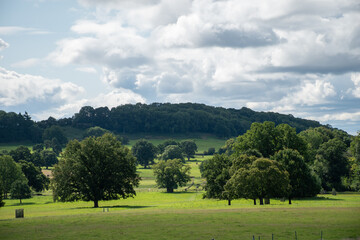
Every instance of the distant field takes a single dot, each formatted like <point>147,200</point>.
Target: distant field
<point>12,146</point>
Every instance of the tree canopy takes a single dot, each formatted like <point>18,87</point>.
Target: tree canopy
<point>145,152</point>
<point>171,174</point>
<point>95,169</point>
<point>189,148</point>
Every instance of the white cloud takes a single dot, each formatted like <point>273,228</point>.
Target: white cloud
<point>27,63</point>
<point>21,88</point>
<point>87,69</point>
<point>355,78</point>
<point>11,30</point>
<point>3,44</point>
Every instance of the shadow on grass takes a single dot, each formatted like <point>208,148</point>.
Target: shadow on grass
<point>116,206</point>
<point>182,192</point>
<point>322,198</point>
<point>22,204</point>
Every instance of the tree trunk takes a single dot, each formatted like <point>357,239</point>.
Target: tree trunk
<point>289,200</point>
<point>267,200</point>
<point>169,190</point>
<point>261,201</point>
<point>254,201</point>
<point>229,202</point>
<point>20,201</point>
<point>96,203</point>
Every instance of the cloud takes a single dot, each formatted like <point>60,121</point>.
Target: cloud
<point>355,78</point>
<point>111,99</point>
<point>3,44</point>
<point>23,88</point>
<point>12,30</point>
<point>27,63</point>
<point>87,69</point>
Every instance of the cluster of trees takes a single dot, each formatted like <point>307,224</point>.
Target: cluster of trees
<point>145,152</point>
<point>274,161</point>
<point>18,178</point>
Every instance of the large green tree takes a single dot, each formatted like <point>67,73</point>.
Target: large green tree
<point>9,173</point>
<point>55,132</point>
<point>268,139</point>
<point>36,179</point>
<point>303,183</point>
<point>261,179</point>
<point>172,152</point>
<point>95,169</point>
<point>331,163</point>
<point>171,174</point>
<point>145,152</point>
<point>20,189</point>
<point>189,148</point>
<point>216,173</point>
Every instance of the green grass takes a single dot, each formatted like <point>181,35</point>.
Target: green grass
<point>13,146</point>
<point>159,215</point>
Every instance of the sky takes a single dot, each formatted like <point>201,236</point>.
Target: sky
<point>287,56</point>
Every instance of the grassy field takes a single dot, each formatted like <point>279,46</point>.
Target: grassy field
<point>155,214</point>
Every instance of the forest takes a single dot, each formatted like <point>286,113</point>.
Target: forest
<point>161,118</point>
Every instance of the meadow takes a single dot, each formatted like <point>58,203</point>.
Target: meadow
<point>184,214</point>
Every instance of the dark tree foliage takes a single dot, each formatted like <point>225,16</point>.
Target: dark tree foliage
<point>216,172</point>
<point>2,203</point>
<point>189,148</point>
<point>95,132</point>
<point>36,179</point>
<point>145,152</point>
<point>21,153</point>
<point>95,169</point>
<point>161,147</point>
<point>331,164</point>
<point>18,127</point>
<point>55,132</point>
<point>303,183</point>
<point>48,158</point>
<point>180,118</point>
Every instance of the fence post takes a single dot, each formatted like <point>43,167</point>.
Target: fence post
<point>272,236</point>
<point>295,236</point>
<point>321,235</point>
<point>19,213</point>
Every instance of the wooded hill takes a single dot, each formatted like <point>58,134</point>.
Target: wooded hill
<point>162,118</point>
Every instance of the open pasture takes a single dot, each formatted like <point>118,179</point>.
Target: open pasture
<point>183,215</point>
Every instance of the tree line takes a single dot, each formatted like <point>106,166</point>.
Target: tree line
<point>162,118</point>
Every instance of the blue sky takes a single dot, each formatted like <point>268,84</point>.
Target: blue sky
<point>287,56</point>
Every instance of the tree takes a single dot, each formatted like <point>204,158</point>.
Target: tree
<point>48,157</point>
<point>95,169</point>
<point>95,132</point>
<point>268,139</point>
<point>216,173</point>
<point>331,163</point>
<point>353,181</point>
<point>21,153</point>
<point>172,152</point>
<point>38,147</point>
<point>36,179</point>
<point>171,174</point>
<point>20,189</point>
<point>9,173</point>
<point>2,203</point>
<point>167,142</point>
<point>189,148</point>
<point>263,178</point>
<point>145,152</point>
<point>55,132</point>
<point>303,183</point>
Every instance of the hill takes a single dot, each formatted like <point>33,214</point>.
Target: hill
<point>161,118</point>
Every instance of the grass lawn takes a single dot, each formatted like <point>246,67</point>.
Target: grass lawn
<point>159,215</point>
